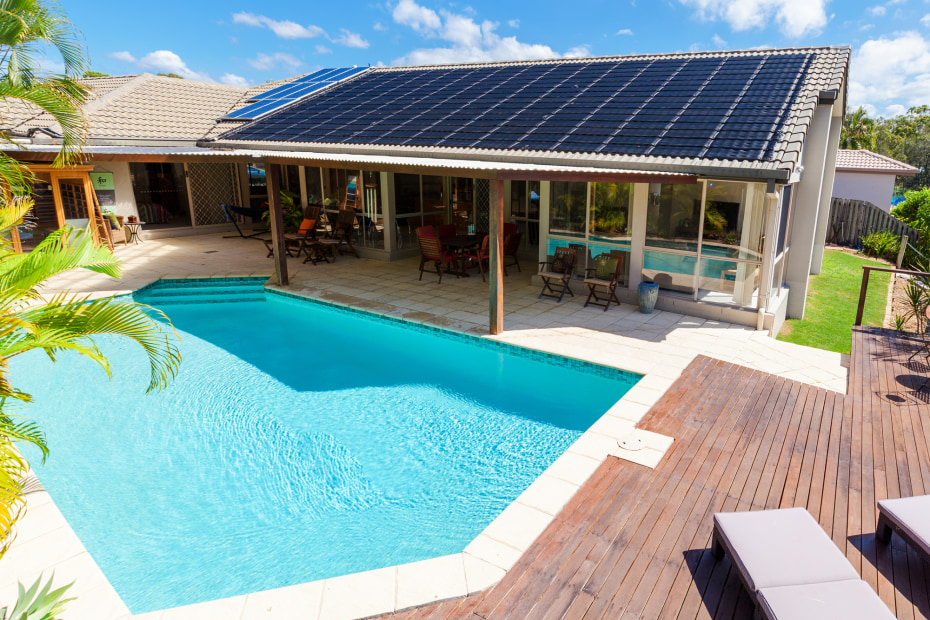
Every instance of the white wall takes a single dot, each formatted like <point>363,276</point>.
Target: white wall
<point>875,188</point>
<point>125,198</point>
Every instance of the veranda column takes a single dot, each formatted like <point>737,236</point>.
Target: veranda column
<point>637,219</point>
<point>826,192</point>
<point>276,218</point>
<point>495,266</point>
<point>806,206</point>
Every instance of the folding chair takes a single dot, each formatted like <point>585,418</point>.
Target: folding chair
<point>557,274</point>
<point>602,279</point>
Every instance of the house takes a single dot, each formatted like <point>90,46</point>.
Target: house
<point>710,170</point>
<point>139,127</point>
<point>868,176</point>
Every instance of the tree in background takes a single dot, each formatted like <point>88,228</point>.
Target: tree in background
<point>93,74</point>
<point>858,131</point>
<point>906,137</point>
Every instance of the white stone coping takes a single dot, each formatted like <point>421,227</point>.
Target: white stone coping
<point>482,564</point>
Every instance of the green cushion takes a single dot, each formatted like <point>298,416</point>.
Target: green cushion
<point>605,267</point>
<point>114,223</point>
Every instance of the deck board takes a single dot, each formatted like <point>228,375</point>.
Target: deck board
<point>634,542</point>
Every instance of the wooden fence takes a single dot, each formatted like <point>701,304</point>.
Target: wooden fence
<point>850,220</point>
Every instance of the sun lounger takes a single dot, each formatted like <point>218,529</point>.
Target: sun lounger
<point>792,568</point>
<point>909,517</point>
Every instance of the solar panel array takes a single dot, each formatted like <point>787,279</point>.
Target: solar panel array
<point>727,107</point>
<point>281,96</point>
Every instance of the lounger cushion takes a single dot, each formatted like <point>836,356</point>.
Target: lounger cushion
<point>851,599</point>
<point>786,547</point>
<point>552,274</point>
<point>911,514</point>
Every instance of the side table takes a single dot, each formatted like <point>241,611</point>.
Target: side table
<point>135,230</point>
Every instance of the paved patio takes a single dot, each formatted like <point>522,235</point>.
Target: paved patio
<point>659,346</point>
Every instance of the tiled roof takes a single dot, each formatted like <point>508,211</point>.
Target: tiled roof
<point>867,161</point>
<point>143,106</point>
<point>750,108</point>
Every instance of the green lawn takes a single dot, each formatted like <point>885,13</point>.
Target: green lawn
<point>831,303</point>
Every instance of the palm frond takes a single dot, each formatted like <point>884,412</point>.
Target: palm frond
<point>62,98</point>
<point>18,428</point>
<point>70,324</point>
<point>12,500</point>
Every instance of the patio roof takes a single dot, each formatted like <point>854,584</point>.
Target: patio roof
<point>408,164</point>
<point>744,111</point>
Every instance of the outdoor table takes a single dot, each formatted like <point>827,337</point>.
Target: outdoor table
<point>460,243</point>
<point>135,230</point>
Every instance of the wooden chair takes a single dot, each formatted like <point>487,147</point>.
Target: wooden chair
<point>602,279</point>
<point>510,228</point>
<point>426,231</point>
<point>342,233</point>
<point>446,231</point>
<point>431,252</point>
<point>557,274</point>
<point>511,247</point>
<point>481,255</point>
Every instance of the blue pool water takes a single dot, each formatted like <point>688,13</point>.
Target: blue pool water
<point>299,442</point>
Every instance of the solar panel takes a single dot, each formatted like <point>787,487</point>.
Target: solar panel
<point>719,107</point>
<point>286,94</point>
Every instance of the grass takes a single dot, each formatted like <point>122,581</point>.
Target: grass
<point>832,299</point>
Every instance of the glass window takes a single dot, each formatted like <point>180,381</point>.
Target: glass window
<point>161,193</point>
<point>314,187</point>
<point>673,216</point>
<point>371,219</point>
<point>407,193</point>
<point>258,186</point>
<point>734,220</point>
<point>724,281</point>
<point>783,219</point>
<point>672,272</point>
<point>610,210</point>
<point>518,199</point>
<point>567,213</point>
<point>463,202</point>
<point>335,188</point>
<point>434,194</point>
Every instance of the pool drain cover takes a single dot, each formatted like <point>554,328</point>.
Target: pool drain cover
<point>631,443</point>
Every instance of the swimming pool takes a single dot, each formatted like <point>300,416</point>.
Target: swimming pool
<point>299,442</point>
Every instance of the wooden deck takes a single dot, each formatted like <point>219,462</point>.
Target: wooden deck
<point>634,542</point>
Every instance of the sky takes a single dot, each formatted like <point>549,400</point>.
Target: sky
<point>246,43</point>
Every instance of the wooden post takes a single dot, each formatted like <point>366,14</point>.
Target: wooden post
<point>276,218</point>
<point>496,264</point>
<point>862,291</point>
<point>56,197</point>
<point>91,210</point>
<point>902,250</point>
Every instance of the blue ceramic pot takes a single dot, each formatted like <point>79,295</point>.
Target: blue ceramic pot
<point>648,294</point>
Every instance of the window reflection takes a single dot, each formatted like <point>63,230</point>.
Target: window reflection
<point>610,210</point>
<point>567,213</point>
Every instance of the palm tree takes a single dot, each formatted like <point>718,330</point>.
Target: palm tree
<point>858,130</point>
<point>64,322</point>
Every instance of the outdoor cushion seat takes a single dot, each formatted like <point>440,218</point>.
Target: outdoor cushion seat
<point>909,517</point>
<point>851,599</point>
<point>773,548</point>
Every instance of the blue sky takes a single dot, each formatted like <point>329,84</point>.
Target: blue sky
<point>249,43</point>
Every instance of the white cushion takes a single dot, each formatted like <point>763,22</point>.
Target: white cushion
<point>911,514</point>
<point>786,547</point>
<point>852,599</point>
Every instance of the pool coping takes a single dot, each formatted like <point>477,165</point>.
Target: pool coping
<point>491,554</point>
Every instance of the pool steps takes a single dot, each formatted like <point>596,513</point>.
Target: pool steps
<point>167,292</point>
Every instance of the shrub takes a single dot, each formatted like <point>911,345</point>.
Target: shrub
<point>883,244</point>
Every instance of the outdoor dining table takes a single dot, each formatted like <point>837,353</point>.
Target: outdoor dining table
<point>461,243</point>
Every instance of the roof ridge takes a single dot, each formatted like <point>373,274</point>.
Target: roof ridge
<point>116,93</point>
<point>779,51</point>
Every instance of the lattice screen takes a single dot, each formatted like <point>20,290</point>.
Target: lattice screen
<point>212,185</point>
<point>482,204</point>
<point>73,200</point>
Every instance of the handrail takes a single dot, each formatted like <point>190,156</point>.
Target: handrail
<point>866,270</point>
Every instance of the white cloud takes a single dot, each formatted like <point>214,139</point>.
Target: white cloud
<point>322,49</point>
<point>468,40</point>
<point>350,39</point>
<point>884,70</point>
<point>124,56</point>
<point>877,11</point>
<point>894,109</point>
<point>283,29</point>
<point>514,23</point>
<point>166,61</point>
<point>625,31</point>
<point>795,18</point>
<point>925,20</point>
<point>420,18</point>
<point>579,51</point>
<point>233,80</point>
<point>379,27</point>
<point>718,41</point>
<point>264,62</point>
